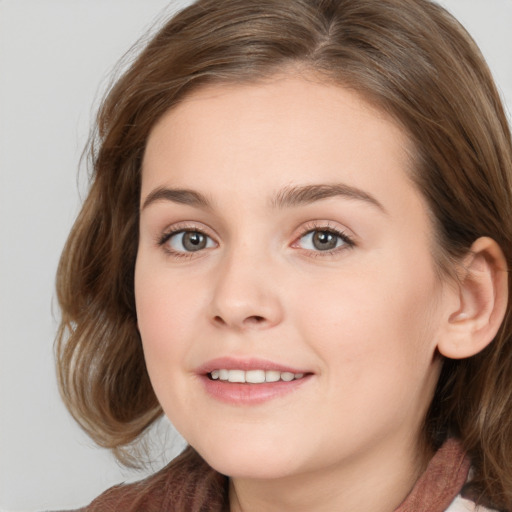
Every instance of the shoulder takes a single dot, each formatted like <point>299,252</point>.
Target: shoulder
<point>147,495</point>
<point>463,505</point>
<point>187,483</point>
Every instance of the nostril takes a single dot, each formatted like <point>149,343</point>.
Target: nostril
<point>255,319</point>
<point>248,321</point>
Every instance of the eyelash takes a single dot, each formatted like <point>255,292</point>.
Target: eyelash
<point>166,236</point>
<point>348,242</point>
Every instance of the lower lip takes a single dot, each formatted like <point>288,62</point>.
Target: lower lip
<point>250,394</point>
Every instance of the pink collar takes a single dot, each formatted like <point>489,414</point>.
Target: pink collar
<point>188,483</point>
<point>443,479</point>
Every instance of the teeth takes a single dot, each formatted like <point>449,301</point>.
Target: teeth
<point>254,376</point>
<point>272,376</point>
<point>236,376</point>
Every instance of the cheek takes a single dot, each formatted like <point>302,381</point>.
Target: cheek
<point>386,314</point>
<point>164,314</point>
<point>163,311</point>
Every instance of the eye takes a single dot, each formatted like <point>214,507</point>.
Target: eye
<point>188,241</point>
<point>323,240</point>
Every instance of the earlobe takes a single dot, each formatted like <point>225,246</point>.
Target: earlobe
<point>481,301</point>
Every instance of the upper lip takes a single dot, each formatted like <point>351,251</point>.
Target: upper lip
<point>231,363</point>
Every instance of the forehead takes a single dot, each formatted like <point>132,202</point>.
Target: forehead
<point>278,133</point>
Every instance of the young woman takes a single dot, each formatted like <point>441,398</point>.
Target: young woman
<point>296,246</point>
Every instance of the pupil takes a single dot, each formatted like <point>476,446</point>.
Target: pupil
<point>194,241</point>
<point>324,240</point>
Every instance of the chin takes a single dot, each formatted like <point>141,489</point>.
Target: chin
<point>249,461</point>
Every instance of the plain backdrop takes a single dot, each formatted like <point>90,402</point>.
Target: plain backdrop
<point>56,58</point>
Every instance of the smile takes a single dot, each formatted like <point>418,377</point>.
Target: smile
<point>253,376</point>
<point>250,381</point>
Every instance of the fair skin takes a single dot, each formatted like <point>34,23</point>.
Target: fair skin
<point>336,284</point>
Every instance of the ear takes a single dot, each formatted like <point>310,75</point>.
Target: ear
<point>478,302</point>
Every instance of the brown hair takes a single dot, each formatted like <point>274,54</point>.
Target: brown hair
<point>408,57</point>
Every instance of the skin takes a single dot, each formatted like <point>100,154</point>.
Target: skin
<point>364,320</point>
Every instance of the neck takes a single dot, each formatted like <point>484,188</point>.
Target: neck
<point>379,483</point>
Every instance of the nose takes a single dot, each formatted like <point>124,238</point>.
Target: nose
<point>246,294</point>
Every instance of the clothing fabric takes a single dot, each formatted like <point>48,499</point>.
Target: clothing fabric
<point>462,505</point>
<point>188,484</point>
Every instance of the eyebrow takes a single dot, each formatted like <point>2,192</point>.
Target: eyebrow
<point>291,196</point>
<point>299,195</point>
<point>177,195</point>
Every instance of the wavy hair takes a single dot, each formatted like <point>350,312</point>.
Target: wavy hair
<point>411,59</point>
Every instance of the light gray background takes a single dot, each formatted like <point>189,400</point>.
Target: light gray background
<point>56,58</point>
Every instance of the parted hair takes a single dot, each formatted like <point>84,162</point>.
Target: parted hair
<point>409,58</point>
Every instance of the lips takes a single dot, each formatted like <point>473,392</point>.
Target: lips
<point>258,376</point>
<point>249,381</point>
<point>247,365</point>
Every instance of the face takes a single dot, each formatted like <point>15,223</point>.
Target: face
<point>283,244</point>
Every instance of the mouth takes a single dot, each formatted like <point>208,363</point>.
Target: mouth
<point>253,376</point>
<point>250,382</point>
